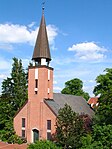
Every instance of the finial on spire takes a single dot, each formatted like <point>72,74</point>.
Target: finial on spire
<point>43,4</point>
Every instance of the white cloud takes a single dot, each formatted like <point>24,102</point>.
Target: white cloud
<point>3,76</point>
<point>57,88</point>
<point>89,89</point>
<point>52,33</point>
<point>11,33</point>
<point>31,24</point>
<point>8,47</point>
<point>54,82</point>
<point>15,33</point>
<point>91,81</point>
<point>25,63</point>
<point>88,51</point>
<point>4,64</point>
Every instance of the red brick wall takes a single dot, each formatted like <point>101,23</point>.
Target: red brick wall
<point>36,111</point>
<point>18,120</point>
<point>43,83</point>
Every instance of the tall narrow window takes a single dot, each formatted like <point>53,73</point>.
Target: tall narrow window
<point>23,122</point>
<point>48,75</point>
<point>49,136</point>
<point>36,86</point>
<point>36,73</point>
<point>36,83</point>
<point>48,90</point>
<point>48,124</point>
<point>23,133</point>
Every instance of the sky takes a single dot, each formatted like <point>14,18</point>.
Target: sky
<point>79,33</point>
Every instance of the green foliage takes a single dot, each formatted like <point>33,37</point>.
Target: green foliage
<point>14,95</point>
<point>103,134</point>
<point>69,127</point>
<point>104,83</point>
<point>104,90</point>
<point>74,87</point>
<point>88,143</point>
<point>43,145</point>
<point>14,89</point>
<point>101,138</point>
<point>8,134</point>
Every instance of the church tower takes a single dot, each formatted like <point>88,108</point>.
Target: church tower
<point>35,120</point>
<point>40,79</point>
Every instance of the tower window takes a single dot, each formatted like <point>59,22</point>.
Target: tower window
<point>35,92</point>
<point>36,86</point>
<point>48,124</point>
<point>23,122</point>
<point>36,73</point>
<point>36,83</point>
<point>48,90</point>
<point>48,75</point>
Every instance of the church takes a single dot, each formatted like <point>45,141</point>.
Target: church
<point>36,119</point>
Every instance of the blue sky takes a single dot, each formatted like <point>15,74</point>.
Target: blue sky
<point>79,31</point>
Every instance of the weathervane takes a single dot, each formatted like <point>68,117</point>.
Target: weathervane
<point>43,6</point>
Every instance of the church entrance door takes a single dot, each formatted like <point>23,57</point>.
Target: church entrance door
<point>35,135</point>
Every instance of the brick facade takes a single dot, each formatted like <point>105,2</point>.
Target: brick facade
<point>35,111</point>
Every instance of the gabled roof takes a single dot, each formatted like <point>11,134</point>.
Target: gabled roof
<point>93,101</point>
<point>41,49</point>
<point>77,103</point>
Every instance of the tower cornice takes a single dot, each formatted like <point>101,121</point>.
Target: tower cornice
<point>40,66</point>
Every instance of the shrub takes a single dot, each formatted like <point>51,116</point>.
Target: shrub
<point>43,145</point>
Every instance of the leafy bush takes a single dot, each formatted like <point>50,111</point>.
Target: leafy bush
<point>43,145</point>
<point>11,137</point>
<point>101,138</point>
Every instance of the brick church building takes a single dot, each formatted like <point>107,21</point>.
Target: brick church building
<point>36,119</point>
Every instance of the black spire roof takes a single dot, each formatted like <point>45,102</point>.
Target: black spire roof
<point>41,49</point>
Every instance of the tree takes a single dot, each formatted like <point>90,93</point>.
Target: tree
<point>74,87</point>
<point>15,87</point>
<point>104,90</point>
<point>101,138</point>
<point>69,128</point>
<point>14,95</point>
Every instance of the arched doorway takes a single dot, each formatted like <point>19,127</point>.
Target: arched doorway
<point>35,135</point>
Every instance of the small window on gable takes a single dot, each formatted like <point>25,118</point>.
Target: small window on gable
<point>48,124</point>
<point>23,122</point>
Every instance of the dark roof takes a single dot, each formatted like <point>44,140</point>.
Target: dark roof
<point>78,103</point>
<point>41,49</point>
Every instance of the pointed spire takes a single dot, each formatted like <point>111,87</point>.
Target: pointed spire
<point>41,49</point>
